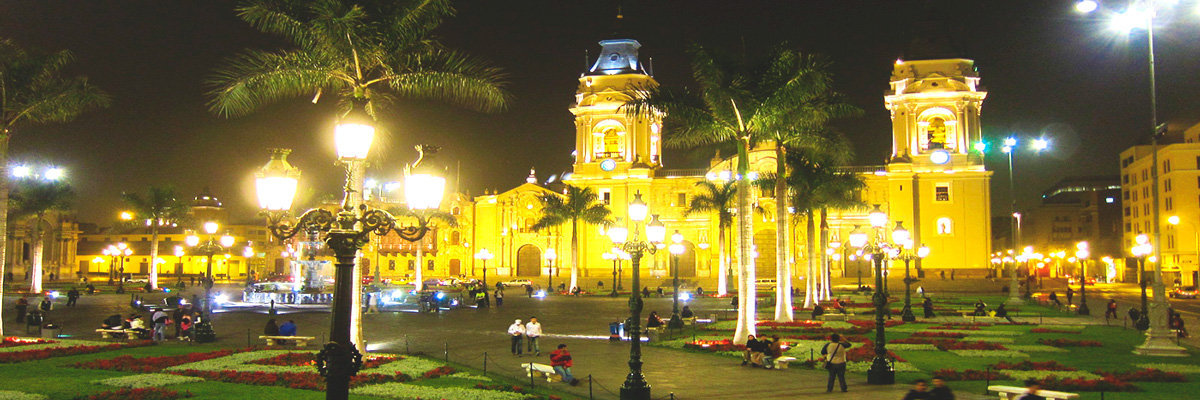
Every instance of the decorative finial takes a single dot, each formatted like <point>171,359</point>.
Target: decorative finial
<point>532,176</point>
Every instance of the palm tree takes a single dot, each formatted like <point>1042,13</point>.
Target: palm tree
<point>736,102</point>
<point>159,207</point>
<point>717,198</point>
<point>368,52</point>
<point>577,204</point>
<point>33,199</point>
<point>807,90</point>
<point>34,91</point>
<point>838,191</point>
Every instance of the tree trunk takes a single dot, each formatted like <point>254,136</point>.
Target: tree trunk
<point>722,266</point>
<point>783,269</point>
<point>35,255</point>
<point>574,255</point>
<point>418,282</point>
<point>154,254</point>
<point>4,137</point>
<point>747,313</point>
<point>810,276</point>
<point>825,293</point>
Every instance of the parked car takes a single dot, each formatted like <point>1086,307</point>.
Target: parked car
<point>764,283</point>
<point>1075,281</point>
<point>1184,292</point>
<point>517,282</point>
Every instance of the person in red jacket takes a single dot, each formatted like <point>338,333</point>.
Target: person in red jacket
<point>560,359</point>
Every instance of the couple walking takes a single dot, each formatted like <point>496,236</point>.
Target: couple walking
<point>528,333</point>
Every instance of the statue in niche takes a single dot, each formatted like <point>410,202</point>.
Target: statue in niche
<point>935,135</point>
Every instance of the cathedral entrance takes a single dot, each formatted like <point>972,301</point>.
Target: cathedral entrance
<point>764,242</point>
<point>687,261</point>
<point>529,261</point>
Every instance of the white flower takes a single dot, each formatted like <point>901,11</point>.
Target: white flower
<point>147,380</point>
<point>15,395</point>
<point>1180,368</point>
<point>990,353</point>
<point>911,347</point>
<point>58,343</point>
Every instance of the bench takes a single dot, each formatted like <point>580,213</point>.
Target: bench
<point>1012,392</point>
<point>543,369</point>
<point>689,321</point>
<point>116,333</point>
<point>834,317</point>
<point>782,362</point>
<point>300,341</point>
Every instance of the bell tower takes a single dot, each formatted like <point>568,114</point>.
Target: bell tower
<point>935,107</point>
<point>608,141</point>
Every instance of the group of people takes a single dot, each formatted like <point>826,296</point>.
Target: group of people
<point>999,312</point>
<point>183,319</point>
<point>524,339</point>
<point>286,329</point>
<point>762,353</point>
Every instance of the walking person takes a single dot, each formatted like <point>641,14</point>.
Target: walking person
<point>72,297</point>
<point>919,391</point>
<point>1070,295</point>
<point>1111,309</point>
<point>516,333</point>
<point>499,297</point>
<point>835,360</point>
<point>533,330</point>
<point>940,391</point>
<point>160,320</point>
<point>927,306</point>
<point>560,360</point>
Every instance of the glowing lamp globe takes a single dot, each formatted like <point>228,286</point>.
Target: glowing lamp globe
<point>424,191</point>
<point>1173,220</point>
<point>618,234</point>
<point>248,252</point>
<point>226,240</point>
<point>484,254</point>
<point>900,235</point>
<point>551,255</point>
<point>1086,6</point>
<point>676,249</point>
<point>923,252</point>
<point>858,239</point>
<point>178,251</point>
<point>877,217</point>
<point>211,227</point>
<point>354,134</point>
<point>192,240</point>
<point>637,208</point>
<point>656,232</point>
<point>608,256</point>
<point>276,182</point>
<point>677,237</point>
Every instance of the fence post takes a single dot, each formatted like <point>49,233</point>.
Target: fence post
<point>1101,395</point>
<point>987,376</point>
<point>406,351</point>
<point>529,369</point>
<point>590,395</point>
<point>811,354</point>
<point>485,363</point>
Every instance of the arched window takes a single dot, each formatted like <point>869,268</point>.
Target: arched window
<point>945,226</point>
<point>936,130</point>
<point>455,211</point>
<point>935,134</point>
<point>455,238</point>
<point>608,140</point>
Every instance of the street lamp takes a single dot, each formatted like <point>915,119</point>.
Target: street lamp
<point>1142,249</point>
<point>209,247</point>
<point>906,253</point>
<point>1082,253</point>
<point>121,250</point>
<point>550,256</point>
<point>858,239</point>
<point>635,386</point>
<point>346,232</point>
<point>1010,149</point>
<point>484,255</point>
<point>676,249</point>
<point>881,372</point>
<point>1141,14</point>
<point>615,258</point>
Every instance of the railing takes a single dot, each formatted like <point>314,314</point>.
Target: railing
<point>688,172</point>
<point>861,169</point>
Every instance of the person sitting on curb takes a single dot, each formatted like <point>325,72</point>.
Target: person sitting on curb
<point>561,360</point>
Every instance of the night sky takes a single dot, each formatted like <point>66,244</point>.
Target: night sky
<point>1048,71</point>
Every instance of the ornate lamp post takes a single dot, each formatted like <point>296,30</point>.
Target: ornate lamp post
<point>1082,253</point>
<point>635,386</point>
<point>615,258</point>
<point>249,253</point>
<point>484,255</point>
<point>121,250</point>
<point>345,233</point>
<point>1141,250</point>
<point>881,372</point>
<point>211,246</point>
<point>906,253</point>
<point>551,255</point>
<point>676,249</point>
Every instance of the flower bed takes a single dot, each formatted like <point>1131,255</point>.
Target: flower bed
<point>147,380</point>
<point>970,375</point>
<point>416,392</point>
<point>1180,368</point>
<point>1048,330</point>
<point>1086,385</point>
<point>61,349</point>
<point>294,380</point>
<point>793,324</point>
<point>871,324</point>
<point>990,353</point>
<point>956,345</point>
<point>15,395</point>
<point>13,341</point>
<point>439,372</point>
<point>953,335</point>
<point>1144,375</point>
<point>956,328</point>
<point>714,345</point>
<point>136,394</point>
<point>150,364</point>
<point>1070,343</point>
<point>866,352</point>
<point>1032,366</point>
<point>921,340</point>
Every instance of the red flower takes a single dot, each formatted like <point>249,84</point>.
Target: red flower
<point>1144,375</point>
<point>30,355</point>
<point>970,375</point>
<point>150,364</point>
<point>1032,366</point>
<point>1070,343</point>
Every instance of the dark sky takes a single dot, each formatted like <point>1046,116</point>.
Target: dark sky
<point>1048,72</point>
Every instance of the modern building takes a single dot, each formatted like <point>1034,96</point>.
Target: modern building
<point>1179,196</point>
<point>1077,209</point>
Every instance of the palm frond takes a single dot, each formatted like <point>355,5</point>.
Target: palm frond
<point>257,78</point>
<point>451,77</point>
<point>35,197</point>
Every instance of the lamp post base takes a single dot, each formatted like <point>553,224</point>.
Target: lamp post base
<point>676,322</point>
<point>1083,308</point>
<point>907,315</point>
<point>881,373</point>
<point>1014,300</point>
<point>1159,344</point>
<point>635,393</point>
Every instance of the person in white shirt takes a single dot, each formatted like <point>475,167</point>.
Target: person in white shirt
<point>533,330</point>
<point>516,331</point>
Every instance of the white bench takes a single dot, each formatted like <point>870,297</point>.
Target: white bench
<point>833,317</point>
<point>116,333</point>
<point>1012,392</point>
<point>543,369</point>
<point>300,341</point>
<point>782,362</point>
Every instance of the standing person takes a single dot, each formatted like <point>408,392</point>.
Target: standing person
<point>72,297</point>
<point>1111,309</point>
<point>373,303</point>
<point>1070,295</point>
<point>160,320</point>
<point>177,318</point>
<point>1031,391</point>
<point>533,330</point>
<point>919,391</point>
<point>499,297</point>
<point>940,391</point>
<point>46,305</point>
<point>561,360</point>
<point>22,307</point>
<point>528,290</point>
<point>927,306</point>
<point>516,332</point>
<point>835,361</point>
